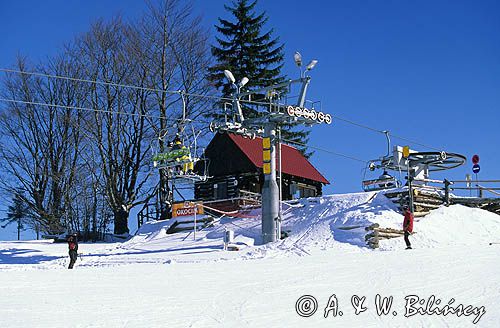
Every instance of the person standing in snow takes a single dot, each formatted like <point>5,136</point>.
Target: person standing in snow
<point>73,249</point>
<point>407,225</point>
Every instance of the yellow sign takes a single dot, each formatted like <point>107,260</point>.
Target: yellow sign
<point>406,151</point>
<point>267,168</point>
<point>266,143</point>
<point>267,156</point>
<point>187,209</point>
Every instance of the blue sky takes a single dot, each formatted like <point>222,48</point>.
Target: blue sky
<point>425,70</point>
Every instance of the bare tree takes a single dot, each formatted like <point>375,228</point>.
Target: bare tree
<point>118,126</point>
<point>40,144</point>
<point>74,166</point>
<point>175,48</point>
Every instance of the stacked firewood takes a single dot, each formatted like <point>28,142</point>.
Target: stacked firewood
<point>376,233</point>
<point>424,199</point>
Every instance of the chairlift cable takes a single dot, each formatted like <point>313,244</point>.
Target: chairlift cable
<point>135,87</point>
<point>383,132</point>
<point>357,124</point>
<point>35,103</point>
<point>326,151</point>
<point>416,142</point>
<point>201,122</point>
<point>5,70</point>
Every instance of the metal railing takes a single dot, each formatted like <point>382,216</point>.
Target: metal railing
<point>149,212</point>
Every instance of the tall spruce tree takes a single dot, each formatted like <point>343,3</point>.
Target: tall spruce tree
<point>245,50</point>
<point>17,213</point>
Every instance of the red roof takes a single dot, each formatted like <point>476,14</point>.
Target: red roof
<point>292,163</point>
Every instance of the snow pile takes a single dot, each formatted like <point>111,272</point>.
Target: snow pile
<point>327,221</point>
<point>336,221</point>
<point>456,225</point>
<point>312,224</point>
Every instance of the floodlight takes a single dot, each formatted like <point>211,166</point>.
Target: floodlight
<point>311,65</point>
<point>243,82</point>
<point>298,59</point>
<point>229,76</point>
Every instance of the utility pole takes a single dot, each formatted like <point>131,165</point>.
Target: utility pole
<point>270,193</point>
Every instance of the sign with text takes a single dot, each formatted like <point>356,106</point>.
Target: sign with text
<point>187,209</point>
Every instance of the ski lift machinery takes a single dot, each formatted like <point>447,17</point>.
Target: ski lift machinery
<point>182,154</point>
<point>385,180</point>
<point>416,165</point>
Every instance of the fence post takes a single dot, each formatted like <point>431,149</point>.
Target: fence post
<point>447,192</point>
<point>410,192</point>
<point>140,220</point>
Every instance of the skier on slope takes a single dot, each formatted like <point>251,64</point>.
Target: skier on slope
<point>73,249</point>
<point>407,225</point>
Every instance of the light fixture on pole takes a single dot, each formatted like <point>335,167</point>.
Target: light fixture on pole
<point>243,82</point>
<point>236,94</point>
<point>311,64</point>
<point>298,59</point>
<point>229,76</point>
<point>303,78</point>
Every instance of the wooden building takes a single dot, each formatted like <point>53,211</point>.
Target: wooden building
<point>235,167</point>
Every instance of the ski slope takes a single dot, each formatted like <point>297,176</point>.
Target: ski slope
<point>179,280</point>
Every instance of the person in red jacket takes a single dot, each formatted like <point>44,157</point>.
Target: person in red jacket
<point>407,225</point>
<point>73,249</point>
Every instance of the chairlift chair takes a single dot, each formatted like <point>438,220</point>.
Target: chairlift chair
<point>385,180</point>
<point>181,157</point>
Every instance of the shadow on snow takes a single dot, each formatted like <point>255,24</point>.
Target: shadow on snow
<point>21,256</point>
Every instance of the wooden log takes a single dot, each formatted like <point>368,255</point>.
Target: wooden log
<point>389,230</point>
<point>429,200</point>
<point>372,226</point>
<point>420,214</point>
<point>396,194</point>
<point>373,234</point>
<point>420,208</point>
<point>350,227</point>
<point>474,201</point>
<point>387,235</point>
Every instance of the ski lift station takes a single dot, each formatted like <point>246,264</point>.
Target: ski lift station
<point>235,168</point>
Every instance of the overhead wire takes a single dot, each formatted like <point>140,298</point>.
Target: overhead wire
<point>325,150</point>
<point>105,111</point>
<point>188,94</point>
<point>383,132</point>
<point>135,87</point>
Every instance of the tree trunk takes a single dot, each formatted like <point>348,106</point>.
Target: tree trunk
<point>121,222</point>
<point>165,196</point>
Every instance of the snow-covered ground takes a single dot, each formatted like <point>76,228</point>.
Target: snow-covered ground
<point>160,280</point>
